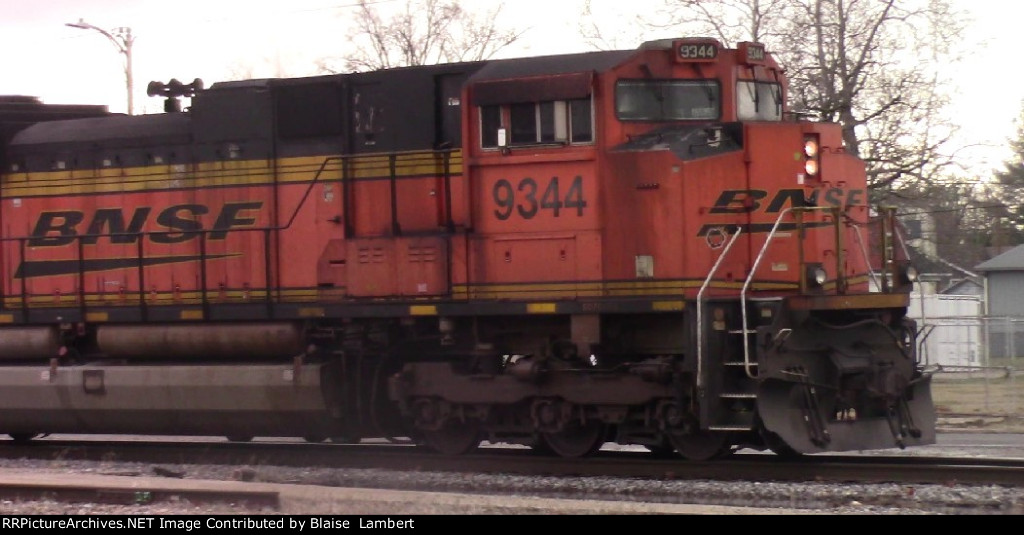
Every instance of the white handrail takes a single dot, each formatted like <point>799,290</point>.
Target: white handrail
<point>700,305</point>
<point>867,258</point>
<point>746,284</point>
<point>753,271</point>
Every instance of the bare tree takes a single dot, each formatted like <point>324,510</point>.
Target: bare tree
<point>726,20</point>
<point>1006,192</point>
<point>732,20</point>
<point>878,67</point>
<point>962,227</point>
<point>421,32</point>
<point>621,35</point>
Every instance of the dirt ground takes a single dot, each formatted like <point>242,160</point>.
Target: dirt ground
<point>987,399</point>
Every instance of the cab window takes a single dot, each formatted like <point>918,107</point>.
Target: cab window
<point>667,100</point>
<point>758,101</point>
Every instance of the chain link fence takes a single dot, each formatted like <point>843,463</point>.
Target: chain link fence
<point>978,363</point>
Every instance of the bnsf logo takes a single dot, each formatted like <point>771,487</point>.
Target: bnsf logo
<point>741,201</point>
<point>179,221</point>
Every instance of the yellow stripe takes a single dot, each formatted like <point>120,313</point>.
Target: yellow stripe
<point>97,316</point>
<point>667,306</point>
<point>541,308</point>
<point>313,312</point>
<point>191,314</point>
<point>423,310</point>
<point>6,318</point>
<point>241,173</point>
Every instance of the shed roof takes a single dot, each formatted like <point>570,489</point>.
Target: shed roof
<point>1012,260</point>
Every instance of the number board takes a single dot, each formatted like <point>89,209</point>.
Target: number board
<point>752,53</point>
<point>689,51</point>
<point>525,198</point>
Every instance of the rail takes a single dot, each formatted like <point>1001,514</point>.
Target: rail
<point>441,159</point>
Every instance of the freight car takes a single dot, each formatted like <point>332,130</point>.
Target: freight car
<point>643,247</point>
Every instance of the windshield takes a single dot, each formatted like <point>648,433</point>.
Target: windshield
<point>758,101</point>
<point>667,100</point>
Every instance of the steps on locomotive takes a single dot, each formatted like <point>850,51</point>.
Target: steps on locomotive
<point>731,388</point>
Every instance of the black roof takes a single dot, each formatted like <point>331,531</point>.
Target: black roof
<point>503,69</point>
<point>105,128</point>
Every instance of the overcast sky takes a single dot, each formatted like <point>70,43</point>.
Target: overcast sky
<point>208,39</point>
<point>215,39</point>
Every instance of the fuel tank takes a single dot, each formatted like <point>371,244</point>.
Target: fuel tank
<point>199,341</point>
<point>241,399</point>
<point>29,343</point>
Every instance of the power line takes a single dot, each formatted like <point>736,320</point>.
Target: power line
<point>957,209</point>
<point>241,16</point>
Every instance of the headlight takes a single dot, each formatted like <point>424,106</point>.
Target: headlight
<point>816,276</point>
<point>910,273</point>
<point>820,276</point>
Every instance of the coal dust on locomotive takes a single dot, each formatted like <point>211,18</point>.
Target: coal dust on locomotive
<point>639,247</point>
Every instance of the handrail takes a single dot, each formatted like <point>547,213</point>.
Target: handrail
<point>700,305</point>
<point>747,365</point>
<point>867,258</point>
<point>746,285</point>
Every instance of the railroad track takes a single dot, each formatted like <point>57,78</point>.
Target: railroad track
<point>165,459</point>
<point>30,487</point>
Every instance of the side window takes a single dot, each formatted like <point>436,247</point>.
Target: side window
<point>582,121</point>
<point>531,123</point>
<point>523,123</point>
<point>490,122</point>
<point>552,125</point>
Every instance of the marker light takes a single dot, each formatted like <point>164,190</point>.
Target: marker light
<point>810,147</point>
<point>812,150</point>
<point>811,167</point>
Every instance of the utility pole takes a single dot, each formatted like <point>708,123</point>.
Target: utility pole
<point>122,39</point>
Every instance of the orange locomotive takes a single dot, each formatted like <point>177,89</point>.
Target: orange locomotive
<point>642,247</point>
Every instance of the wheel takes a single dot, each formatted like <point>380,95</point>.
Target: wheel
<point>576,440</point>
<point>663,450</point>
<point>778,446</point>
<point>539,446</point>
<point>22,438</point>
<point>702,445</point>
<point>240,438</point>
<point>453,438</point>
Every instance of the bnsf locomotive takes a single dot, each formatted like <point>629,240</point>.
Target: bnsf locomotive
<point>641,247</point>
